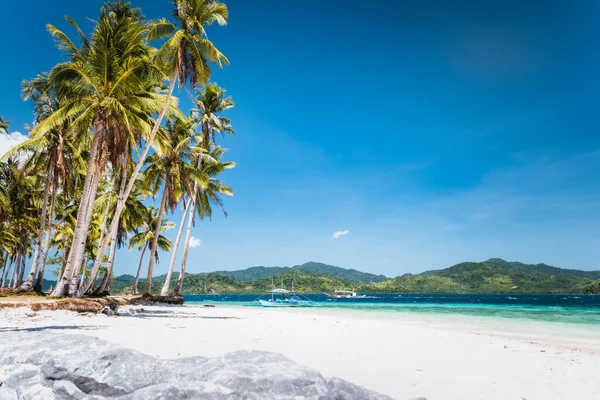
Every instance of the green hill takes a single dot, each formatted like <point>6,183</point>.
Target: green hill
<point>350,275</point>
<point>492,276</point>
<point>306,282</point>
<point>593,288</point>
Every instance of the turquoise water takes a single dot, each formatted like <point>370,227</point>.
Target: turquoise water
<point>570,309</point>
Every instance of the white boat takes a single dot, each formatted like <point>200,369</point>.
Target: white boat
<point>343,294</point>
<point>281,297</point>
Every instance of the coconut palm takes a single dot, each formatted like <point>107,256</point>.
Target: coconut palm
<point>134,216</point>
<point>53,155</point>
<point>145,237</point>
<point>170,169</point>
<point>109,86</point>
<point>20,218</point>
<point>185,57</point>
<point>211,102</point>
<point>205,197</point>
<point>3,125</point>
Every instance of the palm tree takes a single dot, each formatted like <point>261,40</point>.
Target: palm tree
<point>185,57</point>
<point>169,169</point>
<point>209,105</point>
<point>145,237</point>
<point>205,197</point>
<point>19,219</point>
<point>54,154</point>
<point>110,88</point>
<point>134,216</point>
<point>3,125</point>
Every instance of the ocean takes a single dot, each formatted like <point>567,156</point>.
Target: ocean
<point>567,309</point>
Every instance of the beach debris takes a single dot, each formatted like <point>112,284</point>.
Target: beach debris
<point>111,310</point>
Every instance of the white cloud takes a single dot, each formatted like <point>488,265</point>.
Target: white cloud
<point>195,242</point>
<point>338,234</point>
<point>9,141</point>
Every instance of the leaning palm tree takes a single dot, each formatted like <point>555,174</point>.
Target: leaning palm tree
<point>170,169</point>
<point>20,217</point>
<point>145,237</point>
<point>211,102</point>
<point>185,57</point>
<point>109,89</point>
<point>206,196</point>
<point>134,215</point>
<point>53,155</point>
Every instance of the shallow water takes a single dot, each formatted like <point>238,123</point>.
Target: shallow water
<point>570,309</point>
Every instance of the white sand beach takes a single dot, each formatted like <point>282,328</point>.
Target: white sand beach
<point>403,356</point>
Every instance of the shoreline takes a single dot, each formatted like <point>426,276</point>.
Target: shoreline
<point>401,356</point>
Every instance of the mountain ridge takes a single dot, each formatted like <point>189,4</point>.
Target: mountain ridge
<point>494,275</point>
<point>349,274</point>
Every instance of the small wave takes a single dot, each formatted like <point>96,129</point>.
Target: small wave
<point>512,298</point>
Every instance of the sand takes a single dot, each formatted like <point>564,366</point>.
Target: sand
<point>403,356</point>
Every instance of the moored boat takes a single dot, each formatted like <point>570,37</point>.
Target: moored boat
<point>343,294</point>
<point>281,297</point>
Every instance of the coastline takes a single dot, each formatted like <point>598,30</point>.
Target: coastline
<point>403,356</point>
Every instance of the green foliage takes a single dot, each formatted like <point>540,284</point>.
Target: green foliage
<point>305,282</point>
<point>594,288</point>
<point>492,276</point>
<point>350,275</point>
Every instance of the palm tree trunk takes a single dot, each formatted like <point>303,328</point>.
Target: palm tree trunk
<point>15,270</point>
<point>40,278</point>
<point>64,262</point>
<point>105,217</point>
<point>9,263</point>
<point>186,247</point>
<point>192,215</point>
<point>112,235</point>
<point>153,247</point>
<point>138,166</point>
<point>137,276</point>
<point>81,229</point>
<point>109,267</point>
<point>28,285</point>
<point>22,268</point>
<point>165,289</point>
<point>111,260</point>
<point>83,268</point>
<point>73,286</point>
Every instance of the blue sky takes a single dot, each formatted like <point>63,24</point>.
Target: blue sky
<point>433,132</point>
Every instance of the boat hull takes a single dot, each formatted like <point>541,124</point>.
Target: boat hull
<point>268,303</point>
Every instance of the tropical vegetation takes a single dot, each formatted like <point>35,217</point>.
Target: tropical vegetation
<point>491,276</point>
<point>111,153</point>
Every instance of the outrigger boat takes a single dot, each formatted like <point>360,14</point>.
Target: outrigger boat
<point>281,297</point>
<point>343,294</point>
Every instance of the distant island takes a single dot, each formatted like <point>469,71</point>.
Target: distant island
<point>492,276</point>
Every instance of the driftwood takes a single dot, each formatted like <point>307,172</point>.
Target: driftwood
<point>108,305</point>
